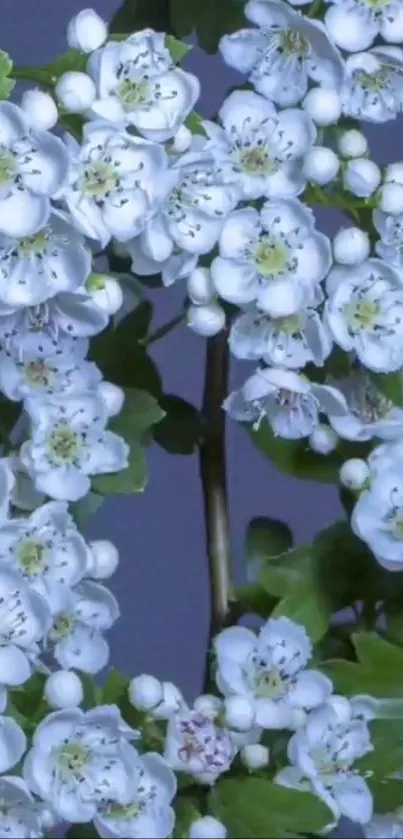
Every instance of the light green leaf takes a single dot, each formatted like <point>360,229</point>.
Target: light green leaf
<point>178,49</point>
<point>286,573</point>
<point>194,123</point>
<point>5,64</point>
<point>6,84</point>
<point>114,688</point>
<point>377,672</point>
<point>265,538</point>
<point>256,808</point>
<point>390,385</point>
<point>70,60</point>
<point>307,606</point>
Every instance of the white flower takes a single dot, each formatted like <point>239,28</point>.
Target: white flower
<point>269,669</point>
<point>323,105</point>
<point>115,180</point>
<point>34,376</point>
<point>104,559</point>
<point>145,692</point>
<point>24,621</point>
<point>206,320</point>
<point>352,143</point>
<point>177,266</point>
<point>323,439</point>
<point>364,314</point>
<point>354,24</point>
<point>255,756</point>
<point>361,176</point>
<point>200,286</point>
<point>259,251</point>
<point>54,327</point>
<point>377,517</point>
<point>172,701</point>
<point>193,213</point>
<point>20,815</point>
<point>86,31</point>
<point>321,165</point>
<point>322,754</point>
<point>34,268</point>
<point>46,549</point>
<point>149,812</point>
<point>207,827</point>
<point>76,638</point>
<point>40,109</point>
<point>68,444</point>
<point>370,414</point>
<point>7,487</point>
<point>282,55</point>
<point>292,341</point>
<point>390,229</point>
<point>351,245</point>
<point>259,148</point>
<point>289,402</point>
<point>354,474</point>
<point>105,292</point>
<point>63,689</point>
<point>194,744</point>
<point>384,827</point>
<point>373,87</point>
<point>33,168</point>
<point>138,84</point>
<point>78,759</point>
<point>75,91</point>
<point>391,198</point>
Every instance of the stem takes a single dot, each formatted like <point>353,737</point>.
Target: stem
<point>213,478</point>
<point>163,330</point>
<point>33,74</point>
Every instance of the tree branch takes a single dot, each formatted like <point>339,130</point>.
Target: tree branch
<point>213,478</point>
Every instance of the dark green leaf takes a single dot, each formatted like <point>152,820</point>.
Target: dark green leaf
<point>134,15</point>
<point>210,20</point>
<point>387,755</point>
<point>92,693</point>
<point>86,507</point>
<point>254,600</point>
<point>266,537</point>
<point>81,831</point>
<point>115,687</point>
<point>186,812</point>
<point>255,808</point>
<point>387,793</point>
<point>180,430</point>
<point>390,385</point>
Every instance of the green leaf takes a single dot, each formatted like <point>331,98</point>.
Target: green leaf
<point>265,538</point>
<point>92,693</point>
<point>377,672</point>
<point>134,15</point>
<point>82,831</point>
<point>186,812</point>
<point>387,755</point>
<point>210,20</point>
<point>387,793</point>
<point>255,808</point>
<point>132,479</point>
<point>86,507</point>
<point>194,123</point>
<point>307,606</point>
<point>114,688</point>
<point>252,599</point>
<point>390,385</point>
<point>6,64</point>
<point>70,60</point>
<point>180,431</point>
<point>283,574</point>
<point>178,49</point>
<point>6,84</point>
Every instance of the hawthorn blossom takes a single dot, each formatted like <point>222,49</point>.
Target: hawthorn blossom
<point>262,253</point>
<point>373,87</point>
<point>284,54</point>
<point>115,182</point>
<point>76,638</point>
<point>377,517</point>
<point>178,266</point>
<point>270,669</point>
<point>355,24</point>
<point>385,826</point>
<point>287,401</point>
<point>46,549</point>
<point>149,812</point>
<point>79,759</point>
<point>33,169</point>
<point>194,744</point>
<point>370,414</point>
<point>259,148</point>
<point>68,444</point>
<point>364,313</point>
<point>20,814</point>
<point>137,83</point>
<point>35,376</point>
<point>322,755</point>
<point>37,267</point>
<point>390,244</point>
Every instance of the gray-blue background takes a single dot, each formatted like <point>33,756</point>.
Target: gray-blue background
<point>161,583</point>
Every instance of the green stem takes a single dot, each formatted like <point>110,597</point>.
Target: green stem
<point>163,330</point>
<point>33,74</point>
<point>213,478</point>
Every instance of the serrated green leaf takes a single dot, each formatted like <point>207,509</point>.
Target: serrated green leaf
<point>390,385</point>
<point>255,808</point>
<point>254,600</point>
<point>134,15</point>
<point>210,20</point>
<point>309,607</point>
<point>377,672</point>
<point>288,572</point>
<point>265,538</point>
<point>387,793</point>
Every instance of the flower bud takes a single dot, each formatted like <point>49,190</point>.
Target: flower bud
<point>351,246</point>
<point>239,713</point>
<point>208,704</point>
<point>323,439</point>
<point>40,109</point>
<point>86,31</point>
<point>206,320</point>
<point>112,396</point>
<point>172,700</point>
<point>354,474</point>
<point>182,140</point>
<point>207,828</point>
<point>321,165</point>
<point>394,173</point>
<point>323,105</point>
<point>63,689</point>
<point>105,292</point>
<point>361,177</point>
<point>281,298</point>
<point>255,756</point>
<point>352,144</point>
<point>200,286</point>
<point>391,198</point>
<point>75,91</point>
<point>104,559</point>
<point>145,692</point>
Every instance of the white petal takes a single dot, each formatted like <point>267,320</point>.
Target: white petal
<point>243,49</point>
<point>311,689</point>
<point>235,643</point>
<point>155,241</point>
<point>13,124</point>
<point>234,281</point>
<point>354,799</point>
<point>15,668</point>
<point>239,231</point>
<point>12,743</point>
<point>84,649</point>
<point>272,715</point>
<point>23,214</point>
<point>348,29</point>
<point>64,483</point>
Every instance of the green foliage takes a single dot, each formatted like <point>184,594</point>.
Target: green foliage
<point>306,605</point>
<point>82,831</point>
<point>6,84</point>
<point>186,812</point>
<point>114,687</point>
<point>140,412</point>
<point>86,507</point>
<point>266,538</point>
<point>377,671</point>
<point>139,14</point>
<point>256,808</point>
<point>209,19</point>
<point>390,384</point>
<point>181,429</point>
